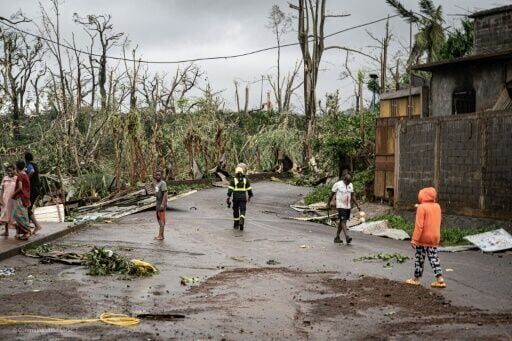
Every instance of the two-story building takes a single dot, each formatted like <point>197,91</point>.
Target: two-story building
<point>459,141</point>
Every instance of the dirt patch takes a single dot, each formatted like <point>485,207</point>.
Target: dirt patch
<point>230,276</point>
<point>45,302</point>
<point>401,307</point>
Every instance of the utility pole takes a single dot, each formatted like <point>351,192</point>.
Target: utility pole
<point>261,94</point>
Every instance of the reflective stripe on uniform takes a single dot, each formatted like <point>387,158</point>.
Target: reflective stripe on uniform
<point>236,189</point>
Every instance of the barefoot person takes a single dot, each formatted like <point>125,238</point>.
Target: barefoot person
<point>161,203</point>
<point>344,191</point>
<point>35,188</point>
<point>7,188</point>
<point>426,237</point>
<point>21,202</point>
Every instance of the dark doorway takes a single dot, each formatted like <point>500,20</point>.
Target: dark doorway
<point>464,102</point>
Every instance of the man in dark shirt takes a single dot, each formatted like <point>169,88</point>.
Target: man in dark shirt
<point>35,187</point>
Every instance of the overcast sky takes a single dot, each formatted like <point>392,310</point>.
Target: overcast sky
<point>185,29</point>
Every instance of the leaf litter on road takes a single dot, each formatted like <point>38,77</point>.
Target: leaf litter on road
<point>398,258</point>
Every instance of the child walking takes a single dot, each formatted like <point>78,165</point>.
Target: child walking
<point>426,237</point>
<point>7,188</point>
<point>161,203</point>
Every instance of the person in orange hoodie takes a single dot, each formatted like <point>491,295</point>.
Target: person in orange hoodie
<point>426,237</point>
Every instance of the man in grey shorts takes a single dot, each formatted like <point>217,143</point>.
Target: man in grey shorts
<point>344,191</point>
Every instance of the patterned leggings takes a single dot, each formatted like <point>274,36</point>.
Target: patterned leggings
<point>431,252</point>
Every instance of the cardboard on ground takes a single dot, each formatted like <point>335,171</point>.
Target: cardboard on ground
<point>497,240</point>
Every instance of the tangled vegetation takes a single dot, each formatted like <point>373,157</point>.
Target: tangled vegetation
<point>103,262</point>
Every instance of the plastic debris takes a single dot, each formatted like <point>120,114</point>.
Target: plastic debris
<point>493,241</point>
<point>6,272</point>
<point>184,280</point>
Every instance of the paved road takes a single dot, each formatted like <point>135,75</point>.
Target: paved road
<point>314,292</point>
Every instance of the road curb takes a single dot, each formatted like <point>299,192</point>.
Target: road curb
<point>32,243</point>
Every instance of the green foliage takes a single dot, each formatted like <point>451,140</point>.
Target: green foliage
<point>384,257</point>
<point>104,262</point>
<point>340,145</point>
<point>430,37</point>
<point>361,180</point>
<point>449,235</point>
<point>455,235</point>
<point>396,222</point>
<point>319,193</point>
<point>459,42</point>
<point>38,249</point>
<point>93,185</point>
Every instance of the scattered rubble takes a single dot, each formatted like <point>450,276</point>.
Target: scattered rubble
<point>6,272</point>
<point>121,206</point>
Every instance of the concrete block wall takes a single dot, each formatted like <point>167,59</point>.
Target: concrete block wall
<point>459,164</point>
<point>493,33</point>
<point>416,160</point>
<point>468,158</point>
<point>497,177</point>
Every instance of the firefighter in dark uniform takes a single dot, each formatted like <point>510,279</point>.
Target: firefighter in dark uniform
<point>241,190</point>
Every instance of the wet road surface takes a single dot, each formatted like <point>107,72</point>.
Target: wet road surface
<point>312,289</point>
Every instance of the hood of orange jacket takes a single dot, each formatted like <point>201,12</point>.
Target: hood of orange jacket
<point>428,194</point>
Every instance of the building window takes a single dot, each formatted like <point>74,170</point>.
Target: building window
<point>394,107</point>
<point>463,102</point>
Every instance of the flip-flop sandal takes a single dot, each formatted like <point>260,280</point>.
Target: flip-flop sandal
<point>438,284</point>
<point>24,237</point>
<point>412,281</point>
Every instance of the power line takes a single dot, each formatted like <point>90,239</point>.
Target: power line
<point>193,59</point>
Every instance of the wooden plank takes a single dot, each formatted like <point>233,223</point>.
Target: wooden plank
<point>389,183</point>
<point>50,214</point>
<point>379,184</point>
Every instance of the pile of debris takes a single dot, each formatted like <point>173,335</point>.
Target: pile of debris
<point>320,212</point>
<point>99,261</point>
<point>121,206</point>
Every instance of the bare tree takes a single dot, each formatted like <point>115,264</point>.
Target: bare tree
<point>185,78</point>
<point>383,45</point>
<point>237,97</point>
<point>51,30</point>
<point>19,60</point>
<point>132,72</point>
<point>291,86</point>
<point>311,21</point>
<point>280,24</point>
<point>101,25</point>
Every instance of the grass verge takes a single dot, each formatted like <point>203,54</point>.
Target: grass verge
<point>449,235</point>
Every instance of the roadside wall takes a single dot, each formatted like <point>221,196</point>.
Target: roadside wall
<point>468,158</point>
